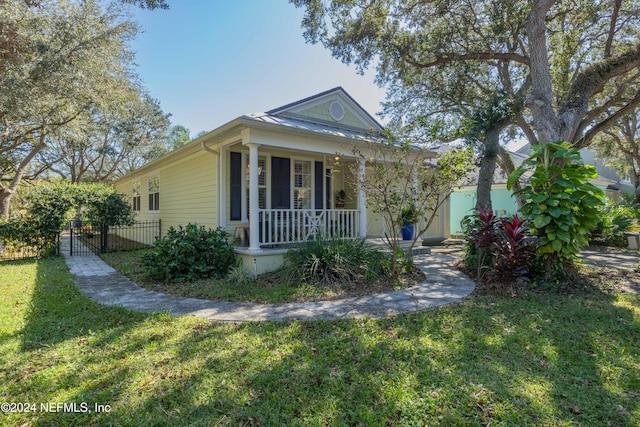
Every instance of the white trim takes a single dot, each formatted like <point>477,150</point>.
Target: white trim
<point>292,181</point>
<point>254,200</point>
<point>362,197</point>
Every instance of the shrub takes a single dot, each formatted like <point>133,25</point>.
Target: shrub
<point>332,261</point>
<point>481,230</point>
<point>499,249</point>
<point>240,275</point>
<point>514,250</point>
<point>17,235</point>
<point>190,253</point>
<point>614,220</point>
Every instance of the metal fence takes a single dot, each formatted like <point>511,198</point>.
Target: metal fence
<point>87,238</point>
<point>14,249</point>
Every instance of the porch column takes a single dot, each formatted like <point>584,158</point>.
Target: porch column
<point>362,198</point>
<point>254,201</point>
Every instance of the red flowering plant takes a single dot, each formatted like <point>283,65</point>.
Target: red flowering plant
<point>513,250</point>
<point>500,249</point>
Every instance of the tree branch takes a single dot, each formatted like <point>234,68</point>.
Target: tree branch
<point>612,27</point>
<point>454,57</point>
<point>585,140</point>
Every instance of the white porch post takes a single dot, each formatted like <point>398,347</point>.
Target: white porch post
<point>362,198</point>
<point>254,201</point>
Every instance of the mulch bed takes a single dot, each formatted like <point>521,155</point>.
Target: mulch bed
<point>583,281</point>
<point>355,288</point>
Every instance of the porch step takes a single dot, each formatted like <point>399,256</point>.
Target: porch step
<point>419,250</point>
<point>441,241</point>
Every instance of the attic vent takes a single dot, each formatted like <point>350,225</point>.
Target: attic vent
<point>336,110</point>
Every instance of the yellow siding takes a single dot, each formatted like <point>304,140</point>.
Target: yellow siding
<point>322,112</point>
<point>187,192</point>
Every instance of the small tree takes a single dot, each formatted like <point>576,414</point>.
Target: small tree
<point>400,175</point>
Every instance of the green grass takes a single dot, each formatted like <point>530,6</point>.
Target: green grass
<point>538,359</point>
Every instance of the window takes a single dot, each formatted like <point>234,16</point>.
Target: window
<point>135,200</point>
<point>154,193</point>
<point>302,184</point>
<point>262,184</point>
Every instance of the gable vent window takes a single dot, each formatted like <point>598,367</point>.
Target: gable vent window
<point>336,110</point>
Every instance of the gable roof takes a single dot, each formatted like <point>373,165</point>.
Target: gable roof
<point>353,116</point>
<point>294,118</point>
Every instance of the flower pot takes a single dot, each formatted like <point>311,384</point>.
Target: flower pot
<point>407,232</point>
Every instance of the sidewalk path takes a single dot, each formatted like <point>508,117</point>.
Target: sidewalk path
<point>615,260</point>
<point>444,284</point>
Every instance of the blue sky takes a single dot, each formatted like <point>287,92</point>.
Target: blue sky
<point>210,61</point>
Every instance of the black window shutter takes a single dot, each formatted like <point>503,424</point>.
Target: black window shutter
<point>280,183</point>
<point>235,178</point>
<point>317,190</point>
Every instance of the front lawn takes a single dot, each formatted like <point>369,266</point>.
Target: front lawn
<point>537,359</point>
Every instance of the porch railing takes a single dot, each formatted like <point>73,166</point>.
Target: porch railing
<point>282,226</point>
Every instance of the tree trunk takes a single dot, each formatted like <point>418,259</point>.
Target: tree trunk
<point>540,102</point>
<point>5,201</point>
<point>636,185</point>
<point>7,193</point>
<point>506,163</point>
<point>487,169</point>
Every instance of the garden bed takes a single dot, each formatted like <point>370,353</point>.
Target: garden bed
<point>266,288</point>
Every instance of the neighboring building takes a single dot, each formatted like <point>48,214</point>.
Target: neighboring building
<point>284,162</point>
<point>463,200</point>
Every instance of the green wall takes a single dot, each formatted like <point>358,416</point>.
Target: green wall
<point>464,201</point>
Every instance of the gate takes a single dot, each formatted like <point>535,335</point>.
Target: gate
<point>85,238</point>
<point>88,238</point>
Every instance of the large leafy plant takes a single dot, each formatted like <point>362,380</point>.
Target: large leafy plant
<point>190,253</point>
<point>560,202</point>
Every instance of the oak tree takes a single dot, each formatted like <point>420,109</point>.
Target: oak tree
<point>579,58</point>
<point>74,58</point>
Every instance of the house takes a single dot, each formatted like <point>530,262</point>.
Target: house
<point>289,163</point>
<point>463,200</point>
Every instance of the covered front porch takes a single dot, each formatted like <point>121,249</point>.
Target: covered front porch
<point>278,196</point>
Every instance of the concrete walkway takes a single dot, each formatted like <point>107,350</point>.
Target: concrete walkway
<point>444,284</point>
<point>615,260</point>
